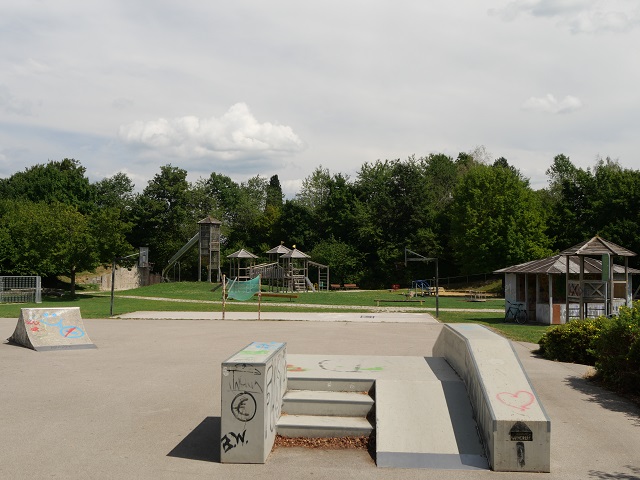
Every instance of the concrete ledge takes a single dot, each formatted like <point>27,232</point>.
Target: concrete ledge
<point>253,383</point>
<point>514,427</point>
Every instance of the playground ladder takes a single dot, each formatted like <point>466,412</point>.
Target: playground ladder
<point>299,283</point>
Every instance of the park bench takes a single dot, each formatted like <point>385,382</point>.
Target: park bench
<point>397,301</point>
<point>290,296</point>
<point>335,286</point>
<point>350,286</point>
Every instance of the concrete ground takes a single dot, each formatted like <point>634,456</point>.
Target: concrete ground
<point>146,404</point>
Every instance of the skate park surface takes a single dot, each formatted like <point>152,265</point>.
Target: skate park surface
<point>146,402</point>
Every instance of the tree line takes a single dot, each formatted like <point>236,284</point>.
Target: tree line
<point>474,215</point>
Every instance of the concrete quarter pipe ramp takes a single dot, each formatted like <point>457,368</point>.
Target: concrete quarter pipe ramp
<point>51,329</point>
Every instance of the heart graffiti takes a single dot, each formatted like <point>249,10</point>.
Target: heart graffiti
<point>520,400</point>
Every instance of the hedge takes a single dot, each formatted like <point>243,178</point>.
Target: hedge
<point>612,345</point>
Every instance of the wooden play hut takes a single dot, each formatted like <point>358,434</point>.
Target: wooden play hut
<point>296,270</point>
<point>288,270</point>
<point>596,286</point>
<point>241,264</point>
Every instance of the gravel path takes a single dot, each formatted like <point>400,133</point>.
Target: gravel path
<point>333,307</point>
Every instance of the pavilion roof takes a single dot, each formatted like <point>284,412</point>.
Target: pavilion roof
<point>295,253</point>
<point>242,253</point>
<point>598,246</point>
<point>280,249</point>
<point>558,265</point>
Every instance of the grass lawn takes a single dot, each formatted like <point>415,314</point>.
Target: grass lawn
<point>198,296</point>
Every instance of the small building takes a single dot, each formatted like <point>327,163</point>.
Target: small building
<point>595,286</point>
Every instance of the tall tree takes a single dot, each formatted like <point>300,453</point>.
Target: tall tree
<point>401,204</point>
<point>274,193</point>
<point>58,181</point>
<point>164,218</point>
<point>315,189</point>
<point>116,191</point>
<point>495,220</point>
<point>56,239</point>
<point>604,200</point>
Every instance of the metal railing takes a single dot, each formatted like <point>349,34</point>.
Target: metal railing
<point>16,289</point>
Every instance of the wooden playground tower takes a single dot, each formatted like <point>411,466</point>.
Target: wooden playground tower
<point>209,247</point>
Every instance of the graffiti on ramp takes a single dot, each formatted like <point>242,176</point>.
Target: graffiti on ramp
<point>51,329</point>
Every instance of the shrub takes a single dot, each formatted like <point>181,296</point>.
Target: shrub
<point>617,351</point>
<point>572,342</point>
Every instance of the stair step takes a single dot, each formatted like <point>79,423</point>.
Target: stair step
<point>342,404</point>
<point>317,426</point>
<point>329,384</point>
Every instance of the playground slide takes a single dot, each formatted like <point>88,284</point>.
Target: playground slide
<point>185,248</point>
<point>309,284</point>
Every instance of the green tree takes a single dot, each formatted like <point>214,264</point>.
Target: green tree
<point>28,235</point>
<point>75,249</point>
<point>604,200</point>
<point>165,219</point>
<point>296,226</point>
<point>116,191</point>
<point>58,181</point>
<point>495,220</point>
<point>248,229</point>
<point>56,239</point>
<point>274,193</point>
<point>344,260</point>
<point>315,189</point>
<point>403,204</point>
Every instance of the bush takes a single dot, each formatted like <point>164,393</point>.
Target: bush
<point>617,350</point>
<point>572,342</point>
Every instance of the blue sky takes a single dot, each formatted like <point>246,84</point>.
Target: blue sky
<point>281,87</point>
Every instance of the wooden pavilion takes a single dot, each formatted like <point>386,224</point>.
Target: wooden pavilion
<point>240,264</point>
<point>595,286</point>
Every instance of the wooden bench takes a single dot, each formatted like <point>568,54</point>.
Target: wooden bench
<point>290,296</point>
<point>397,301</point>
<point>350,286</point>
<point>335,286</point>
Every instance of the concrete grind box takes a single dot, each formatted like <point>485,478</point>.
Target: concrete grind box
<point>254,381</point>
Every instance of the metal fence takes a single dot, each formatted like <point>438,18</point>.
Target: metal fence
<point>20,289</point>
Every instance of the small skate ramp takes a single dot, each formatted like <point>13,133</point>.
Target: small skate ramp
<point>51,329</point>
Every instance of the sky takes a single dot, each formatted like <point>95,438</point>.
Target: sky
<point>282,87</point>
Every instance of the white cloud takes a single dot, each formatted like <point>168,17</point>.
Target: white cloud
<point>549,104</point>
<point>580,16</point>
<point>12,104</point>
<point>122,103</point>
<point>602,21</point>
<point>234,135</point>
<point>540,8</point>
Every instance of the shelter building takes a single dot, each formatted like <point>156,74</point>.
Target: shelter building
<point>595,286</point>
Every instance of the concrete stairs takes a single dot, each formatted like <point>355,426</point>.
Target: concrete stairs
<point>417,407</point>
<point>326,408</point>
